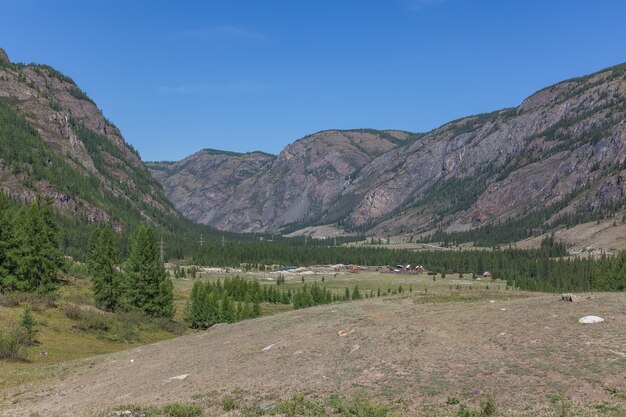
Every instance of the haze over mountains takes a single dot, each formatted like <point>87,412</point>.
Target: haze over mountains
<point>562,148</point>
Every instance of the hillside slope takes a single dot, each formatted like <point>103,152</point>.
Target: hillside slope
<point>522,353</point>
<point>55,143</point>
<point>561,150</point>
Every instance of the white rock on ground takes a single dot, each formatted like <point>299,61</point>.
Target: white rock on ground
<point>590,319</point>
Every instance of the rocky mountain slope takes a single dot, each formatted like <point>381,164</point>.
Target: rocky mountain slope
<point>56,143</point>
<point>561,151</point>
<point>255,191</point>
<point>200,196</point>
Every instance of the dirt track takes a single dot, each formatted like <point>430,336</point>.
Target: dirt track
<point>418,353</point>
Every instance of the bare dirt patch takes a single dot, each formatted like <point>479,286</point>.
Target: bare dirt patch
<point>418,353</point>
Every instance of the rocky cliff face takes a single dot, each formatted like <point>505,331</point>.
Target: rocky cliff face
<point>303,184</point>
<point>56,143</point>
<point>202,182</point>
<point>566,142</point>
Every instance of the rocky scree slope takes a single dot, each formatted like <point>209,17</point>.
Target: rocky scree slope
<point>563,148</point>
<point>55,142</point>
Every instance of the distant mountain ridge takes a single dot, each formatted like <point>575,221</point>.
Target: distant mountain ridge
<point>562,149</point>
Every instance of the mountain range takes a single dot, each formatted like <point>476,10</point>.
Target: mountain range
<point>560,152</point>
<point>557,158</point>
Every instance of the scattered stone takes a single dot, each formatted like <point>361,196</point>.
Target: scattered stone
<point>297,352</point>
<point>345,332</point>
<point>266,348</point>
<point>590,320</point>
<point>179,377</point>
<point>131,361</point>
<point>355,348</point>
<point>503,309</point>
<point>267,406</point>
<point>492,301</point>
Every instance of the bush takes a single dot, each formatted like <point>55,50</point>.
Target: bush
<point>171,326</point>
<point>488,408</point>
<point>8,300</point>
<point>97,322</point>
<point>228,404</point>
<point>182,410</point>
<point>12,345</point>
<point>73,312</point>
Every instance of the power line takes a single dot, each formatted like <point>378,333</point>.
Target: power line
<point>161,250</point>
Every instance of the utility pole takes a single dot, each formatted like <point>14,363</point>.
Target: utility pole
<point>161,250</point>
<point>222,240</point>
<point>201,241</point>
<point>305,238</point>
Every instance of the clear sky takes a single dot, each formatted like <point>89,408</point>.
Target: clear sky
<point>178,76</point>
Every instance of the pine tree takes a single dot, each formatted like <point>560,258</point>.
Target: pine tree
<point>106,280</point>
<point>356,294</point>
<point>149,289</point>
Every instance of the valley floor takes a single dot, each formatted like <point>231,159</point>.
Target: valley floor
<point>529,354</point>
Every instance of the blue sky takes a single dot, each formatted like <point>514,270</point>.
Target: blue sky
<point>178,76</point>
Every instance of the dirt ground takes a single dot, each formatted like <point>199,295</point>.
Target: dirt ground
<point>523,353</point>
<point>606,236</point>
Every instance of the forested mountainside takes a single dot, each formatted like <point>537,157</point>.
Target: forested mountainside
<point>55,143</point>
<point>560,153</point>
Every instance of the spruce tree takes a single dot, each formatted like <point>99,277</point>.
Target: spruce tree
<point>35,255</point>
<point>256,309</point>
<point>193,314</point>
<point>6,244</point>
<point>149,289</point>
<point>106,280</point>
<point>356,294</point>
<point>227,313</point>
<point>27,324</point>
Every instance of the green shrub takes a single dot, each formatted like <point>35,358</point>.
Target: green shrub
<point>97,322</point>
<point>73,312</point>
<point>9,300</point>
<point>488,408</point>
<point>12,346</point>
<point>228,403</point>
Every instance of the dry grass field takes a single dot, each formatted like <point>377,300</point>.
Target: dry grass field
<point>410,354</point>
